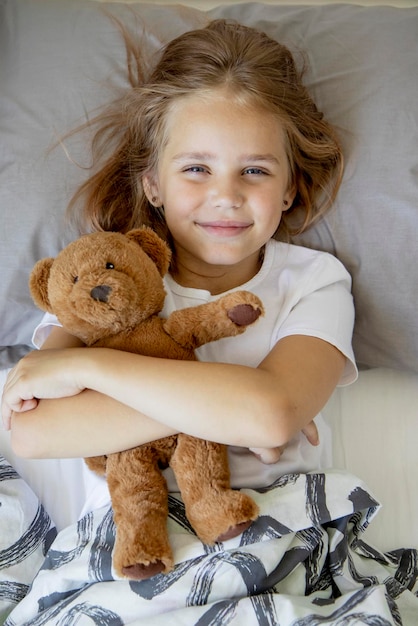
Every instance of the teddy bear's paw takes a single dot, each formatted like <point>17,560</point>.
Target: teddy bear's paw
<point>234,531</point>
<point>143,567</point>
<point>140,571</point>
<point>242,307</point>
<point>142,552</point>
<point>223,517</point>
<point>244,314</point>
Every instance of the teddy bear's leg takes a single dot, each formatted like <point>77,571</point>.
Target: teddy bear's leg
<point>140,508</point>
<point>215,511</point>
<point>226,317</point>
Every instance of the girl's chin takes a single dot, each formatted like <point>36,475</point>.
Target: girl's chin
<point>247,265</point>
<point>214,252</point>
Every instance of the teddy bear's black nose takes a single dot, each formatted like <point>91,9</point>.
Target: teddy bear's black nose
<point>101,293</point>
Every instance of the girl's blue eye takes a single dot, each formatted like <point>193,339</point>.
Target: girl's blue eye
<point>254,170</point>
<point>195,169</point>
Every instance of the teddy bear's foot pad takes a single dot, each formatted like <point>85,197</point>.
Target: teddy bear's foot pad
<point>243,314</point>
<point>139,571</point>
<point>234,531</point>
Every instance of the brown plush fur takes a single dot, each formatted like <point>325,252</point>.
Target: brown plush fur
<point>107,289</point>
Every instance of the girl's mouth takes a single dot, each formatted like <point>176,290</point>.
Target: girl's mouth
<point>224,228</point>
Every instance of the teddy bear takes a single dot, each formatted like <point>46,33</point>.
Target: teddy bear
<point>107,289</point>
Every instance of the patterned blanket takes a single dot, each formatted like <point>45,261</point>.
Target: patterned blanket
<point>303,562</point>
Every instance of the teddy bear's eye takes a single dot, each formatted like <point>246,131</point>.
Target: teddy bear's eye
<point>75,279</point>
<point>110,266</point>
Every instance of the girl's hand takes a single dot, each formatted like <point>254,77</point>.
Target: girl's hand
<point>40,374</point>
<point>311,433</point>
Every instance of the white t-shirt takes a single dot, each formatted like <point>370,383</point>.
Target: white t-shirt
<point>304,292</point>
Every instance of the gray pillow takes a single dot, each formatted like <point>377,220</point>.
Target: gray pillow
<point>59,60</point>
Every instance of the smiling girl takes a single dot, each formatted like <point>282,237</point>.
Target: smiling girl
<point>222,151</point>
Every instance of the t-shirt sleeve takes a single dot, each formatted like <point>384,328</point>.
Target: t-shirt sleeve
<point>43,329</point>
<point>325,309</point>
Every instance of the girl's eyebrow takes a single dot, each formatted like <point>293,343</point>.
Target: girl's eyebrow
<point>193,156</point>
<point>207,156</point>
<point>269,158</point>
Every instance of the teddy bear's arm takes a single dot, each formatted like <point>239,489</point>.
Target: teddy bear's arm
<point>226,317</point>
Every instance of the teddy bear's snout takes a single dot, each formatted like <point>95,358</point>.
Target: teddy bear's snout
<point>101,293</point>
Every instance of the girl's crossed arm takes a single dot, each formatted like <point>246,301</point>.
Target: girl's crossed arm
<point>116,400</point>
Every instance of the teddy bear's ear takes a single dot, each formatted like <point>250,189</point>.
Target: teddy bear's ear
<point>38,284</point>
<point>153,246</point>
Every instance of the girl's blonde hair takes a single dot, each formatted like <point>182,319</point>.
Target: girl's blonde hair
<point>224,54</point>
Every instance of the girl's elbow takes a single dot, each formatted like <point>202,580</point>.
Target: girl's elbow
<point>279,434</point>
<point>279,423</point>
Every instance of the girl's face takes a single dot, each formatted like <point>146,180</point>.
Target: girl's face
<point>223,180</point>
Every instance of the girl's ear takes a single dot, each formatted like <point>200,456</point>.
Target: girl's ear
<point>288,198</point>
<point>150,187</point>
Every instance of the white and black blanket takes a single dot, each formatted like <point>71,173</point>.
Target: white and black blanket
<point>302,563</point>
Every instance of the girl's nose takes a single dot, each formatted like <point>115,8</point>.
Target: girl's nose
<point>227,193</point>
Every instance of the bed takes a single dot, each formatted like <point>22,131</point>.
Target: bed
<point>336,547</point>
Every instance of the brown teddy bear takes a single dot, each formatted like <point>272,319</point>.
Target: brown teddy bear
<point>106,288</point>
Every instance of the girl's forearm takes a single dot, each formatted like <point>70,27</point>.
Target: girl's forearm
<point>228,403</point>
<point>232,404</point>
<point>130,399</point>
<point>83,425</point>
<point>207,400</point>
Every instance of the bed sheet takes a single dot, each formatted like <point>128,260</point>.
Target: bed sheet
<point>303,561</point>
